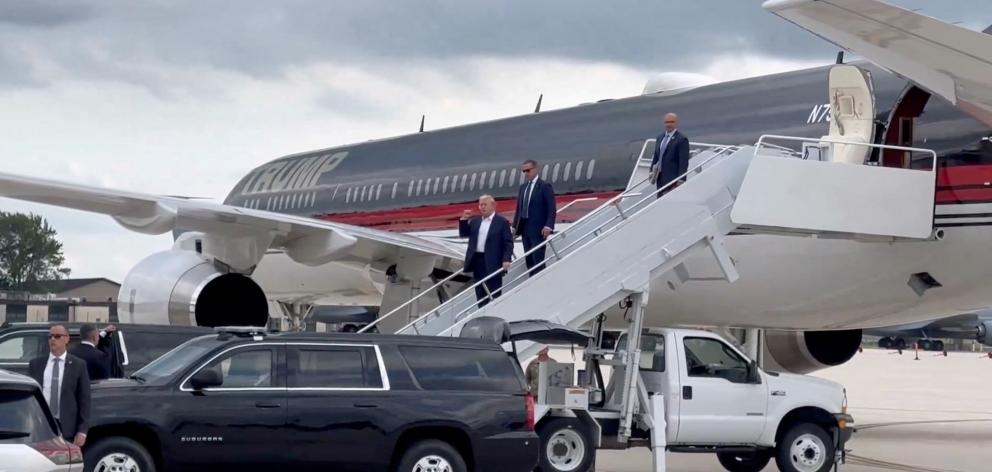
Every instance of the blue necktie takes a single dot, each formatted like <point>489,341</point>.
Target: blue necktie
<point>664,145</point>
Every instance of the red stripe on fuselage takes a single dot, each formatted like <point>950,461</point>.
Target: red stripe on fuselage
<point>442,217</point>
<point>955,185</point>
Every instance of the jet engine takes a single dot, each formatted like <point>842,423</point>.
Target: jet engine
<point>802,352</point>
<point>185,288</point>
<point>985,332</point>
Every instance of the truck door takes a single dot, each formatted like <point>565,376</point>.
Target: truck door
<point>716,404</point>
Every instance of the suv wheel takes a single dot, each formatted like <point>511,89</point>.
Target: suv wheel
<point>117,454</point>
<point>565,446</point>
<point>744,461</point>
<point>431,456</point>
<point>806,447</point>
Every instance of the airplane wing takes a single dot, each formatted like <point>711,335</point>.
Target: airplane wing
<point>243,230</point>
<point>945,59</point>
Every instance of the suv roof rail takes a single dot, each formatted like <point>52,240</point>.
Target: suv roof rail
<point>242,331</point>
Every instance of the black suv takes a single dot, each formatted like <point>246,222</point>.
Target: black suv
<point>131,347</point>
<point>250,400</point>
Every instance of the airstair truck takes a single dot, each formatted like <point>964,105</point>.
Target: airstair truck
<point>695,393</point>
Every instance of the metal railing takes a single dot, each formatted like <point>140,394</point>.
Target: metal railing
<point>826,139</point>
<point>550,243</point>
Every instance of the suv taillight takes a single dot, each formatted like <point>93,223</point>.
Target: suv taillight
<point>59,451</point>
<point>530,411</point>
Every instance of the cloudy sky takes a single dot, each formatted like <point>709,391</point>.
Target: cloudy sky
<point>183,97</point>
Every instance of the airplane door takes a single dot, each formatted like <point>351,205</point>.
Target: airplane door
<point>852,112</point>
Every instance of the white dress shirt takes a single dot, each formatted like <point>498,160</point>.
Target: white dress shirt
<point>480,244</point>
<point>47,379</point>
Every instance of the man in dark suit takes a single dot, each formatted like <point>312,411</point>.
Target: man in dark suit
<point>490,247</point>
<point>671,155</point>
<point>536,212</point>
<point>93,350</point>
<point>65,384</point>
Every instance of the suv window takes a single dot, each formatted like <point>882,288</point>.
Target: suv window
<point>144,347</point>
<point>22,347</point>
<point>245,368</point>
<point>707,357</point>
<point>24,421</point>
<point>652,351</point>
<point>452,368</point>
<point>178,358</point>
<point>336,367</point>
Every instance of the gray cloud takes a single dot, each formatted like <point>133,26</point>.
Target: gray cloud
<point>42,13</point>
<point>263,39</point>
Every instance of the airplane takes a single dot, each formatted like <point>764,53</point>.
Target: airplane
<point>372,223</point>
<point>975,326</point>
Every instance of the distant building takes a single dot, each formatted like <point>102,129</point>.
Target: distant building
<point>85,300</point>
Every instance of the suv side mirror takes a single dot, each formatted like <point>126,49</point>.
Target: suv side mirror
<point>205,378</point>
<point>752,373</point>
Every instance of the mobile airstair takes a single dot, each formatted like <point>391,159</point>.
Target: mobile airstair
<point>620,247</point>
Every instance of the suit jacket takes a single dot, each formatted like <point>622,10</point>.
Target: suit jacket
<point>97,361</point>
<point>675,162</point>
<point>499,241</point>
<point>74,402</point>
<point>541,212</point>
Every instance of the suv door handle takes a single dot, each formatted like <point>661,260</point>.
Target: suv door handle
<point>267,405</point>
<point>366,405</point>
<point>687,392</point>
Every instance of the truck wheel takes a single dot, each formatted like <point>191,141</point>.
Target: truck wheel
<point>744,461</point>
<point>900,344</point>
<point>117,454</point>
<point>565,446</point>
<point>805,448</point>
<point>431,455</point>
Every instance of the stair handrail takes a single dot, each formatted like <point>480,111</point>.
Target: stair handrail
<point>720,151</point>
<point>407,303</point>
<point>649,197</point>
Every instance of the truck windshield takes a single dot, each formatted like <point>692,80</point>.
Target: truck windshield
<point>162,369</point>
<point>652,351</point>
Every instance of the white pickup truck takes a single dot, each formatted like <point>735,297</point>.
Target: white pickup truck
<point>715,400</point>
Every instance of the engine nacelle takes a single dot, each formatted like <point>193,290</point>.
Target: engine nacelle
<point>802,352</point>
<point>184,288</point>
<point>985,333</point>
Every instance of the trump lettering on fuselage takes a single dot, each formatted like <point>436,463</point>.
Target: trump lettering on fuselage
<point>291,174</point>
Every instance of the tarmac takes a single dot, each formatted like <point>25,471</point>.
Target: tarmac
<point>928,415</point>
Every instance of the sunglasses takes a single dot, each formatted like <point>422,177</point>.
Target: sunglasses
<point>527,171</point>
<point>57,336</point>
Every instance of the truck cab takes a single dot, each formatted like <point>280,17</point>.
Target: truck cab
<point>715,395</point>
<point>715,400</point>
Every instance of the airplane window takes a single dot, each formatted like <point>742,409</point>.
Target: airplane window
<point>544,174</point>
<point>395,185</point>
<point>578,170</point>
<point>471,183</point>
<point>444,186</point>
<point>296,200</point>
<point>567,172</point>
<point>482,180</point>
<point>347,195</point>
<point>409,191</point>
<point>554,173</point>
<point>313,198</point>
<point>378,191</point>
<point>361,196</point>
<point>420,184</point>
<point>464,179</point>
<point>592,168</point>
<point>502,177</point>
<point>437,184</point>
<point>492,179</point>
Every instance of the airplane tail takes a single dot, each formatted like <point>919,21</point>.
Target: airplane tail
<point>988,30</point>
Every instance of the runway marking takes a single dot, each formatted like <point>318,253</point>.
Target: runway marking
<point>907,423</point>
<point>880,464</point>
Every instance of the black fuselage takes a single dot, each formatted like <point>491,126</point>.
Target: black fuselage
<point>423,181</point>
